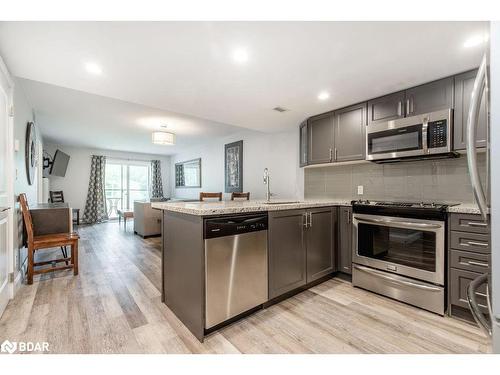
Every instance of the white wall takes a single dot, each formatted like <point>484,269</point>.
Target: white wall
<point>278,152</point>
<point>23,113</point>
<point>76,182</point>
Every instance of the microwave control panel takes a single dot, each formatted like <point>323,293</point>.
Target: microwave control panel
<point>437,134</point>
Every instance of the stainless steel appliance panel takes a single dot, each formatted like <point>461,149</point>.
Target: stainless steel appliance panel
<point>422,135</point>
<point>426,296</point>
<point>400,262</point>
<point>236,275</point>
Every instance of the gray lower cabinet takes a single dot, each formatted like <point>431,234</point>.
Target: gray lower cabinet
<point>345,240</point>
<point>320,240</point>
<point>350,126</point>
<point>299,254</point>
<point>469,256</point>
<point>287,251</point>
<point>385,108</point>
<point>320,138</point>
<point>432,96</point>
<point>464,84</point>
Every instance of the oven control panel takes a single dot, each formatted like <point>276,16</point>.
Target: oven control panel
<point>437,134</point>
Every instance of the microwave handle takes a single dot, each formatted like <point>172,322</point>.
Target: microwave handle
<point>472,120</point>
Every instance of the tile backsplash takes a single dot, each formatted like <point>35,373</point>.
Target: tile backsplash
<point>444,180</point>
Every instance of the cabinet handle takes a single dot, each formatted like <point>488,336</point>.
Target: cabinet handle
<point>331,153</point>
<point>408,106</point>
<point>348,217</point>
<point>400,108</point>
<point>336,153</point>
<point>304,220</point>
<point>480,264</point>
<point>474,243</point>
<point>474,224</point>
<point>412,109</point>
<point>310,219</point>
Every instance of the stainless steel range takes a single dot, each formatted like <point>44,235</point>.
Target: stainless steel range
<point>399,251</point>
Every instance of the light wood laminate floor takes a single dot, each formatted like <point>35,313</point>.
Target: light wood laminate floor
<point>114,306</point>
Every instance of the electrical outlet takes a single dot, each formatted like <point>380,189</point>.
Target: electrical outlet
<point>360,189</point>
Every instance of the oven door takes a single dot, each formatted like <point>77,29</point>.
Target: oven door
<point>395,142</point>
<point>409,247</point>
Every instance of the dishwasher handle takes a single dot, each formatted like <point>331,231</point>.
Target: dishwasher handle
<point>230,226</point>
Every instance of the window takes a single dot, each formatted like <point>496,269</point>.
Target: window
<point>126,182</point>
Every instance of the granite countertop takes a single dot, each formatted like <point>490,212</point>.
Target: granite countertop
<point>465,208</point>
<point>237,207</point>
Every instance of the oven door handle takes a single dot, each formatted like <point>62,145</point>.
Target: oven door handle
<point>405,224</point>
<point>384,275</point>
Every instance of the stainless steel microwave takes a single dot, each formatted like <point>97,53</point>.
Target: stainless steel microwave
<point>425,135</point>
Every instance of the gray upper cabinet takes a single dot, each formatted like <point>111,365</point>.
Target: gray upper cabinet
<point>287,251</point>
<point>433,96</point>
<point>385,108</point>
<point>320,138</point>
<point>303,144</point>
<point>350,126</point>
<point>345,240</point>
<point>321,242</point>
<point>463,89</point>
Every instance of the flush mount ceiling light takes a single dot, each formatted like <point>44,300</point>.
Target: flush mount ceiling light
<point>93,68</point>
<point>163,138</point>
<point>323,95</point>
<point>240,55</point>
<point>476,40</point>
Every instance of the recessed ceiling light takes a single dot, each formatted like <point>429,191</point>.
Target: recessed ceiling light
<point>476,40</point>
<point>240,55</point>
<point>323,95</point>
<point>93,68</point>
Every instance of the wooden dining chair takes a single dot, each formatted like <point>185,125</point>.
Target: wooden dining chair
<point>240,195</point>
<point>210,195</point>
<point>45,242</point>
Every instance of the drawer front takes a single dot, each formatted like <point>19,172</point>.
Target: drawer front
<point>468,261</point>
<point>476,242</point>
<point>459,281</point>
<point>469,223</point>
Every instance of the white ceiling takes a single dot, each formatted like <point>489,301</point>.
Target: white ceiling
<point>72,117</point>
<point>186,67</point>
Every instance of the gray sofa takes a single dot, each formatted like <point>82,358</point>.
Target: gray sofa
<point>147,221</point>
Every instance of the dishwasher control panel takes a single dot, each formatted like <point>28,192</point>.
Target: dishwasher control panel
<point>229,226</point>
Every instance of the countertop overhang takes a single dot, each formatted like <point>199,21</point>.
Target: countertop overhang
<point>238,207</point>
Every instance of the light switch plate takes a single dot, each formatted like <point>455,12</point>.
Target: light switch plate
<point>360,189</point>
<point>16,145</point>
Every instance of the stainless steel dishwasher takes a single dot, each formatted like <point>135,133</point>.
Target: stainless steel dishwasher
<point>235,266</point>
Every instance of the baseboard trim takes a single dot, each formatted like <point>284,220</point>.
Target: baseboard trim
<point>18,282</point>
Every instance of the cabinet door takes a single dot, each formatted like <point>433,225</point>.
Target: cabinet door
<point>320,140</point>
<point>345,240</point>
<point>385,108</point>
<point>433,96</point>
<point>321,242</point>
<point>303,144</point>
<point>350,124</point>
<point>287,251</point>
<point>463,89</point>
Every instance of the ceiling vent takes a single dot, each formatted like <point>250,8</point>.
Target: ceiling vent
<point>280,109</point>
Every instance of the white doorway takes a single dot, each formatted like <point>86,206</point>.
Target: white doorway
<point>6,187</point>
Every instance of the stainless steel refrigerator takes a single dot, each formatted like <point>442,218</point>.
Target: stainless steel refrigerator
<point>487,195</point>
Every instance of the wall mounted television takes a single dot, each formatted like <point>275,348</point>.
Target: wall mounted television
<point>59,164</point>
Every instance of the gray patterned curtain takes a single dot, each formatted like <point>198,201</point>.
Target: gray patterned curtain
<point>95,207</point>
<point>156,185</point>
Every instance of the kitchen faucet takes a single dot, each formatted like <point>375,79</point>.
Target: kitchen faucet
<point>267,180</point>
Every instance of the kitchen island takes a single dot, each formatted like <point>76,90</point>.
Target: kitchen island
<point>300,251</point>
